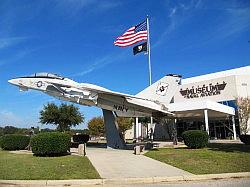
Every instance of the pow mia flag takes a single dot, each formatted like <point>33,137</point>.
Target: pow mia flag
<point>140,48</point>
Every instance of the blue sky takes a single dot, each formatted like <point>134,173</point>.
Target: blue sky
<point>74,38</point>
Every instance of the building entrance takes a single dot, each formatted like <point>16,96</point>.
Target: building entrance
<point>222,129</point>
<point>218,128</point>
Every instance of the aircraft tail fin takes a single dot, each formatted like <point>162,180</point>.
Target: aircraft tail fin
<point>162,90</point>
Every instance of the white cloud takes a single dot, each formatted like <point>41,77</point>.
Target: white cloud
<point>100,63</point>
<point>9,118</point>
<point>17,56</point>
<point>233,21</point>
<point>11,41</point>
<point>176,16</point>
<point>172,12</point>
<point>73,7</point>
<point>105,5</point>
<point>236,21</point>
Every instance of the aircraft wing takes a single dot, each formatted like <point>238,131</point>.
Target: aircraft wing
<point>142,104</point>
<point>149,105</point>
<point>92,88</point>
<point>114,100</point>
<point>99,89</point>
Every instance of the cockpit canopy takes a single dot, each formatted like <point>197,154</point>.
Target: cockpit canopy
<point>45,75</point>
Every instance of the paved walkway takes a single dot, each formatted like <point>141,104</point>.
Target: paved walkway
<point>124,164</point>
<point>226,141</point>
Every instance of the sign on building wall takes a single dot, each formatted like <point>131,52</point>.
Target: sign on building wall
<point>220,89</point>
<point>203,91</point>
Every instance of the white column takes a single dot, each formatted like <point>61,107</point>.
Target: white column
<point>175,139</point>
<point>139,130</point>
<point>234,130</point>
<point>136,128</point>
<point>206,121</point>
<point>151,122</point>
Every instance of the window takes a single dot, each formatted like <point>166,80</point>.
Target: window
<point>44,75</point>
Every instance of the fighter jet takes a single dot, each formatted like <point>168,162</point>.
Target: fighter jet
<point>151,102</point>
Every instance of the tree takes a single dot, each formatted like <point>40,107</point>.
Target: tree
<point>10,130</point>
<point>96,126</point>
<point>170,127</point>
<point>1,131</point>
<point>144,120</point>
<point>63,116</point>
<point>124,124</point>
<point>80,131</point>
<point>243,104</point>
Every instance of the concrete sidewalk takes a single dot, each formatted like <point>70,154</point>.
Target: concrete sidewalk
<point>125,181</point>
<point>124,164</point>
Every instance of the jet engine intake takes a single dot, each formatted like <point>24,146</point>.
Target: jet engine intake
<point>23,88</point>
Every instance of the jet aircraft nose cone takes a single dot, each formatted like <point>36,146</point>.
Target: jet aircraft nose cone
<point>14,82</point>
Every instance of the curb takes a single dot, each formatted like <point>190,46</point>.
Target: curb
<point>147,180</point>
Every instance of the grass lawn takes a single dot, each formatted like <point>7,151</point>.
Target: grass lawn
<point>217,158</point>
<point>23,166</point>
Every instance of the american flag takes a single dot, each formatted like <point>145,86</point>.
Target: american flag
<point>133,35</point>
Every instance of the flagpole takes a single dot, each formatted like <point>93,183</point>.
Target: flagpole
<point>149,57</point>
<point>149,69</point>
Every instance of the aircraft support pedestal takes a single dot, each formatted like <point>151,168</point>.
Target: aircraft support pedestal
<point>113,137</point>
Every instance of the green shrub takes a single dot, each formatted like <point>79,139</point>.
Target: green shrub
<point>195,138</point>
<point>245,139</point>
<point>14,142</point>
<point>50,144</point>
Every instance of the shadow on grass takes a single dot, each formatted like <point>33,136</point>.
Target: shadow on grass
<point>96,145</point>
<point>128,146</point>
<point>154,150</point>
<point>229,147</point>
<point>225,147</point>
<point>52,155</point>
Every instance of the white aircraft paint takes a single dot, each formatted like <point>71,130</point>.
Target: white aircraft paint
<point>153,101</point>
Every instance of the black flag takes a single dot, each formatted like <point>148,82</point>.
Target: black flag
<point>140,48</point>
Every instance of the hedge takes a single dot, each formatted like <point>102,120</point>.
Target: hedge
<point>245,139</point>
<point>14,142</point>
<point>195,138</point>
<point>50,144</point>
